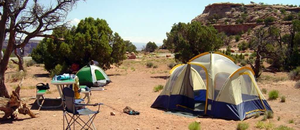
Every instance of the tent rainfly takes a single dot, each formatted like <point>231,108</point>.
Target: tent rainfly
<point>212,84</point>
<point>92,76</point>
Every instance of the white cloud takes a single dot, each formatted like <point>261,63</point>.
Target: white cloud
<point>74,22</point>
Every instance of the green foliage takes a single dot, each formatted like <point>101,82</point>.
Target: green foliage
<point>191,39</point>
<point>237,38</point>
<point>57,70</point>
<point>269,114</point>
<point>269,126</point>
<point>260,125</point>
<point>259,21</point>
<point>289,17</point>
<point>273,94</point>
<point>269,20</point>
<point>283,11</point>
<point>171,65</point>
<point>242,126</point>
<point>243,45</point>
<point>257,115</point>
<point>158,88</point>
<point>92,39</point>
<point>239,21</point>
<point>194,126</point>
<point>149,64</point>
<point>130,47</point>
<point>213,18</point>
<point>282,127</point>
<point>291,121</point>
<point>282,99</point>
<point>264,118</point>
<point>150,47</point>
<point>243,62</point>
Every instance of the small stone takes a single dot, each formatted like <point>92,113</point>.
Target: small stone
<point>112,113</point>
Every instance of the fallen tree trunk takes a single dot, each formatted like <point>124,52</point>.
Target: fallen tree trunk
<point>13,105</point>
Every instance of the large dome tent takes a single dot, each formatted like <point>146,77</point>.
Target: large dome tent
<point>212,84</point>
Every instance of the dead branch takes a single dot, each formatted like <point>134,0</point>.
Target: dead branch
<point>13,105</point>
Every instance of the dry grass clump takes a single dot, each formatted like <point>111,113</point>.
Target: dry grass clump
<point>158,88</point>
<point>242,126</point>
<point>194,126</point>
<point>297,85</point>
<point>273,95</point>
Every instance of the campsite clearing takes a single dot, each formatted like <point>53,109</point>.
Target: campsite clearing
<point>132,85</point>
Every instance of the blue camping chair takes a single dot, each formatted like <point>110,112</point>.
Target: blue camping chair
<point>74,109</point>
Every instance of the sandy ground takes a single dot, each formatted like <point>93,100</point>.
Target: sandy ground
<point>132,86</point>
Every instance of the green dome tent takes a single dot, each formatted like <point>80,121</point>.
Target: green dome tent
<point>92,76</point>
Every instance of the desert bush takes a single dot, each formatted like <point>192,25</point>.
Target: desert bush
<point>259,20</point>
<point>194,126</point>
<point>264,118</point>
<point>30,63</point>
<point>269,126</point>
<point>273,94</point>
<point>291,121</point>
<point>289,17</point>
<point>256,115</point>
<point>297,85</point>
<point>282,99</point>
<point>295,74</point>
<point>242,126</point>
<point>278,118</point>
<point>237,38</point>
<point>282,127</point>
<point>155,66</point>
<point>243,62</point>
<point>17,76</point>
<point>56,71</point>
<point>149,64</point>
<point>264,91</point>
<point>269,20</point>
<point>260,125</point>
<point>158,88</point>
<point>269,114</point>
<point>132,68</point>
<point>171,65</point>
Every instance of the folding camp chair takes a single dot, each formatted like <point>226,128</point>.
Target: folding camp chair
<point>74,109</point>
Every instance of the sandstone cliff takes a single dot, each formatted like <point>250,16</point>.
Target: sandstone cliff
<point>234,18</point>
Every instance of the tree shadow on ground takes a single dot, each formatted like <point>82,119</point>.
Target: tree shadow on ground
<point>162,77</point>
<point>10,121</point>
<point>42,75</point>
<point>46,103</point>
<point>114,75</point>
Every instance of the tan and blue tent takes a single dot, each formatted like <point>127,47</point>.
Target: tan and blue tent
<point>212,84</point>
<point>92,76</point>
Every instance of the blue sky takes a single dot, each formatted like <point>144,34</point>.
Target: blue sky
<point>141,21</point>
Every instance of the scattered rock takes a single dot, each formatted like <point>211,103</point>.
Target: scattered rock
<point>112,113</point>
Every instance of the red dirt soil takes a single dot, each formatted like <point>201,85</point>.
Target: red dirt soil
<point>132,85</point>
